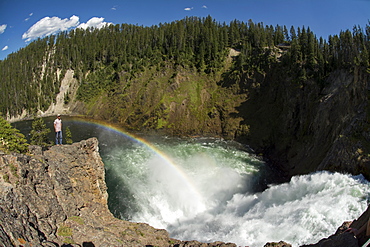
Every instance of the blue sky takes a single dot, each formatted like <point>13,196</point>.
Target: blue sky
<point>21,21</point>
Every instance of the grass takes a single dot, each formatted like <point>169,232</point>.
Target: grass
<point>6,178</point>
<point>77,219</point>
<point>14,170</point>
<point>64,231</point>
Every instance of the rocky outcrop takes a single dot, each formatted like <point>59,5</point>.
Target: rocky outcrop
<point>59,198</point>
<point>280,244</point>
<point>342,240</point>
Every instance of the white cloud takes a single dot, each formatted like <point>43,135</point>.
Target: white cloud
<point>95,22</point>
<point>204,7</point>
<point>31,14</point>
<point>5,48</point>
<point>2,28</point>
<point>50,25</point>
<point>188,9</point>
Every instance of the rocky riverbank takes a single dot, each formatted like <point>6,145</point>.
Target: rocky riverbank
<point>58,197</point>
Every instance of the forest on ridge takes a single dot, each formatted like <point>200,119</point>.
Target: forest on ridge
<point>106,60</point>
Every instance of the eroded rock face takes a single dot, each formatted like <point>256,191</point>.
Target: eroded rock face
<point>304,128</point>
<point>60,197</point>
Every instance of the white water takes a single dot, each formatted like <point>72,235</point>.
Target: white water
<point>209,195</point>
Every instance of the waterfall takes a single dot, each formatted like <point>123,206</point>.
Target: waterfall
<point>222,203</point>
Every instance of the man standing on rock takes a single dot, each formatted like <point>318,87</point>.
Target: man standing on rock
<point>58,130</point>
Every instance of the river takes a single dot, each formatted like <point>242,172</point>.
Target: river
<point>210,189</point>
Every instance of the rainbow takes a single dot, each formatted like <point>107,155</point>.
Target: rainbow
<point>171,165</point>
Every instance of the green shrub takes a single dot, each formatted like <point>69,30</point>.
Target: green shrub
<point>11,140</point>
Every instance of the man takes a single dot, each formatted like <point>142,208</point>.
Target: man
<point>58,130</point>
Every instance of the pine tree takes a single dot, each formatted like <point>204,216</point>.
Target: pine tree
<point>39,133</point>
<point>68,136</point>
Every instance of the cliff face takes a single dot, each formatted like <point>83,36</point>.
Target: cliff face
<point>301,127</point>
<point>59,197</point>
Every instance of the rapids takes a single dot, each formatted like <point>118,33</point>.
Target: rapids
<point>211,194</point>
<point>210,189</point>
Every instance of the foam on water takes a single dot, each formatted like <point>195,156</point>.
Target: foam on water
<point>302,211</point>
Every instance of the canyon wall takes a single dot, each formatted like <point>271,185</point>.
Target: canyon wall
<point>304,127</point>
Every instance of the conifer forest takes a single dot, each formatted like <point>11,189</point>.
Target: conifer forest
<point>109,60</point>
